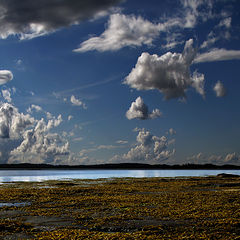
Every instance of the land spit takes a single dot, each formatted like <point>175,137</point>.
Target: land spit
<point>122,208</point>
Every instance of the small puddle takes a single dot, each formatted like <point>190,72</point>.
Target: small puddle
<point>40,187</point>
<point>231,190</point>
<point>17,204</point>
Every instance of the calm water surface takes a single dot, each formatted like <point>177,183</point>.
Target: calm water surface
<point>41,175</point>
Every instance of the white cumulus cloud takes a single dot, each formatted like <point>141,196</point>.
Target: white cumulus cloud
<point>13,123</point>
<point>77,102</point>
<point>26,139</point>
<point>139,110</point>
<point>70,117</point>
<point>34,107</point>
<point>219,89</point>
<point>40,141</point>
<point>169,73</point>
<point>232,158</point>
<point>148,149</point>
<point>201,158</point>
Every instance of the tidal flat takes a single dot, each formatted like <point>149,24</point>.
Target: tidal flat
<point>122,208</point>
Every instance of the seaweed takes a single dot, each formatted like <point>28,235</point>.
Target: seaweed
<point>122,208</point>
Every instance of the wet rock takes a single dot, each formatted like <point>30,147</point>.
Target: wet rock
<point>227,175</point>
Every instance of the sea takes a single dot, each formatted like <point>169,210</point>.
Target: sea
<point>43,175</point>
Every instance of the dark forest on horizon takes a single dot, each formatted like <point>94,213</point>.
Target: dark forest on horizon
<point>136,166</point>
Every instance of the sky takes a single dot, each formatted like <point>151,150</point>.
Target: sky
<point>116,81</point>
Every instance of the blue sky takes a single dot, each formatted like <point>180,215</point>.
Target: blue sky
<point>89,82</point>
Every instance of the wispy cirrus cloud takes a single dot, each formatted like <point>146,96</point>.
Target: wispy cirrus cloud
<point>134,31</point>
<point>121,141</point>
<point>221,31</point>
<point>68,92</point>
<point>86,151</point>
<point>216,54</point>
<point>122,30</point>
<point>6,93</point>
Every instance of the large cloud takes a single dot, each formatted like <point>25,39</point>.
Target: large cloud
<point>39,141</point>
<point>5,76</point>
<point>13,123</point>
<point>139,110</point>
<point>30,19</point>
<point>169,73</point>
<point>26,139</point>
<point>148,149</point>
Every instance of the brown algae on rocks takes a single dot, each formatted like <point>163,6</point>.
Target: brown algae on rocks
<point>122,208</point>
